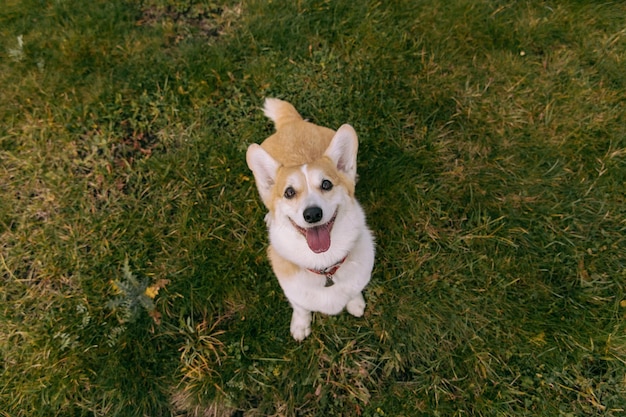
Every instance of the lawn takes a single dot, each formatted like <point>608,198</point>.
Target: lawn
<point>492,168</point>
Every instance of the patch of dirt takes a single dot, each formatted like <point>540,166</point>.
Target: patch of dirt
<point>182,22</point>
<point>134,146</point>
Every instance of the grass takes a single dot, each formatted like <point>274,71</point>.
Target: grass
<point>492,168</point>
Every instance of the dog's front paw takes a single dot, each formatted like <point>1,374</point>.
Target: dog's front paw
<point>356,306</point>
<point>300,332</point>
<point>300,325</point>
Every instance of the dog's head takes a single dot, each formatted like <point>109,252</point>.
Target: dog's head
<point>307,198</point>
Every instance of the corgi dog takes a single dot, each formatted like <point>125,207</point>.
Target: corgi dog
<point>321,249</point>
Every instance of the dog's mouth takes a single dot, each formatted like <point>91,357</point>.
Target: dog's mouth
<point>317,237</point>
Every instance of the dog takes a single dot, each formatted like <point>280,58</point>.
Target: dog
<point>321,248</point>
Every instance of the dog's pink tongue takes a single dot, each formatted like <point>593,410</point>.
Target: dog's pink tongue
<point>318,238</point>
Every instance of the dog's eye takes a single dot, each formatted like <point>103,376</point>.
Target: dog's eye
<point>327,185</point>
<point>290,193</point>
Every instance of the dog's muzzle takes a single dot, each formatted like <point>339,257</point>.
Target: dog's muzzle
<point>317,237</point>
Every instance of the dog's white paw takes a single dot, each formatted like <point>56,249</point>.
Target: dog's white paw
<point>356,306</point>
<point>300,325</point>
<point>300,332</point>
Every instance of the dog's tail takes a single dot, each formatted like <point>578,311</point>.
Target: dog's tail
<point>280,112</point>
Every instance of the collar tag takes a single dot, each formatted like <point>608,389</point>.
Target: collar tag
<point>329,281</point>
<point>329,272</point>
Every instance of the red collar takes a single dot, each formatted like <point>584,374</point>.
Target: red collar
<point>329,271</point>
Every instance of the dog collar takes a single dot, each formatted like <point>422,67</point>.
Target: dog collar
<point>329,272</point>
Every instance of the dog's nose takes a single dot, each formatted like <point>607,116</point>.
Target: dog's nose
<point>313,214</point>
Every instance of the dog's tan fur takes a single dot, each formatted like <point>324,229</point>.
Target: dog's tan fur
<point>296,141</point>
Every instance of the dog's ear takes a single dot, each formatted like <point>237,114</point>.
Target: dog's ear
<point>264,168</point>
<point>343,149</point>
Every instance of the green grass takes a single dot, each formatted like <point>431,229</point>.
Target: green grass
<point>492,169</point>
